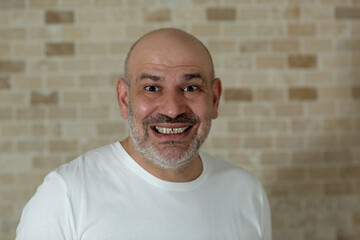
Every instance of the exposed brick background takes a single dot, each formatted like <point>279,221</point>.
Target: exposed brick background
<point>290,112</point>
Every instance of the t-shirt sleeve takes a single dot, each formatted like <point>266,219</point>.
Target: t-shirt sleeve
<point>266,217</point>
<point>48,215</point>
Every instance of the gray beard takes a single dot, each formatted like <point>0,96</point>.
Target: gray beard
<point>168,159</point>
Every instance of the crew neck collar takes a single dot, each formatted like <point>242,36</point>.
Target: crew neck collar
<point>167,185</point>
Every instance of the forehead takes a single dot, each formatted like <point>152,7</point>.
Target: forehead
<point>169,55</point>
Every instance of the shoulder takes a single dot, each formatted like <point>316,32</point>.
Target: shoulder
<point>229,173</point>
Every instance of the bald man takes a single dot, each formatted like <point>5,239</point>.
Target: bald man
<point>155,184</point>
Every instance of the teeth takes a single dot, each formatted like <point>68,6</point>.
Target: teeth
<point>171,130</point>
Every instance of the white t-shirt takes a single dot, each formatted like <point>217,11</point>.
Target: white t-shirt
<point>105,194</point>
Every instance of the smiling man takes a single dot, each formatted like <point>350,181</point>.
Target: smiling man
<point>155,184</point>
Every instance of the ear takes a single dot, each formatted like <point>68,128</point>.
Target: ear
<point>217,90</point>
<point>122,92</point>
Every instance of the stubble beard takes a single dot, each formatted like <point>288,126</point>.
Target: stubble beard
<point>172,156</point>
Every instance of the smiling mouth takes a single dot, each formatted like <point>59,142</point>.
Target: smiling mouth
<point>163,130</point>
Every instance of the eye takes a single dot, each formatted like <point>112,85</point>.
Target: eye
<point>190,88</point>
<point>152,88</point>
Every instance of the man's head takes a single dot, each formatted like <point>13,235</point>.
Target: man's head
<point>169,96</point>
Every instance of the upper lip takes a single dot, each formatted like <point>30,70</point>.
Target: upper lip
<point>172,125</point>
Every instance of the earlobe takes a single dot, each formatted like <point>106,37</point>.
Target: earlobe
<point>122,96</point>
<point>217,91</point>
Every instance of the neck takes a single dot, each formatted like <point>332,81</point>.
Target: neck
<point>186,173</point>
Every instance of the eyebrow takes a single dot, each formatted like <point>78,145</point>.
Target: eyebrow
<point>186,77</point>
<point>190,76</point>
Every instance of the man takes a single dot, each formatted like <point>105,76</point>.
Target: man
<point>155,184</point>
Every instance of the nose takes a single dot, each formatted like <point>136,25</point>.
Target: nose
<point>172,104</point>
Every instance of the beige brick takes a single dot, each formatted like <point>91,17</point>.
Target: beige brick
<point>323,173</point>
<point>26,82</point>
<point>4,83</point>
<point>289,142</point>
<point>158,15</point>
<point>331,93</point>
<point>46,129</point>
<point>205,30</point>
<point>254,46</point>
<point>355,61</point>
<point>305,125</point>
<point>289,110</point>
<point>277,190</point>
<point>274,158</point>
<point>349,45</point>
<point>241,94</point>
<point>256,110</point>
<point>238,30</point>
<point>298,30</point>
<point>337,124</point>
<point>276,62</point>
<point>222,46</point>
<point>92,81</point>
<point>136,31</point>
<point>355,29</point>
<point>98,112</point>
<point>318,13</point>
<point>226,143</point>
<point>307,189</point>
<point>52,17</point>
<point>77,98</point>
<point>322,141</point>
<point>60,49</point>
<point>327,108</point>
<point>337,189</point>
<point>43,3</point>
<point>12,66</point>
<point>76,65</point>
<point>46,162</point>
<point>241,126</point>
<point>13,99</point>
<point>40,98</point>
<point>239,159</point>
<point>90,16</point>
<point>92,49</point>
<point>12,4</point>
<point>30,113</point>
<point>347,12</point>
<point>28,50</point>
<point>355,92</point>
<point>6,146</point>
<point>6,114</point>
<point>318,45</point>
<point>287,12</point>
<point>238,62</point>
<point>266,30</point>
<point>37,66</point>
<point>109,3</point>
<point>285,45</point>
<point>31,146</point>
<point>63,113</point>
<point>107,33</point>
<point>336,156</point>
<point>303,93</point>
<point>318,77</point>
<point>61,81</point>
<point>63,145</point>
<point>258,142</point>
<point>333,62</point>
<point>72,33</point>
<point>333,29</point>
<point>121,47</point>
<point>15,130</point>
<point>307,157</point>
<point>273,126</point>
<point>12,33</point>
<point>350,140</point>
<point>221,14</point>
<point>290,174</point>
<point>110,128</point>
<point>4,50</point>
<point>302,61</point>
<point>254,13</point>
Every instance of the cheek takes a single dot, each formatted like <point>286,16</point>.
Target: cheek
<point>141,107</point>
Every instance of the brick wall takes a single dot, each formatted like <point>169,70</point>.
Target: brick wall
<point>290,111</point>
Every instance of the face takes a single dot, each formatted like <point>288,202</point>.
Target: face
<point>170,104</point>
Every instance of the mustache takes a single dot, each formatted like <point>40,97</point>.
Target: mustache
<point>182,118</point>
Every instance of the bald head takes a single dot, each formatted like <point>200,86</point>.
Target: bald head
<point>168,46</point>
